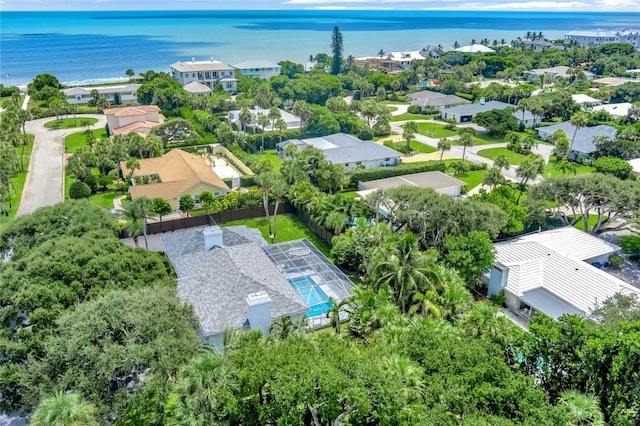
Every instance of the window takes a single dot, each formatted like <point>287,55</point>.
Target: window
<point>386,159</point>
<point>358,163</point>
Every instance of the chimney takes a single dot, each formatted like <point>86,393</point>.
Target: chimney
<point>212,237</point>
<point>259,311</point>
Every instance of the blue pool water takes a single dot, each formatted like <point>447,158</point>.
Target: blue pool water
<point>313,296</point>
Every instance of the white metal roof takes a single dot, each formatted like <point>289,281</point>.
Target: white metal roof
<point>547,269</point>
<point>585,99</point>
<point>569,241</point>
<point>615,110</point>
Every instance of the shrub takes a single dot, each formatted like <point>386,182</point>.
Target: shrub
<point>616,260</point>
<point>79,190</point>
<point>92,181</point>
<point>414,109</point>
<point>631,245</point>
<point>398,146</point>
<point>613,166</point>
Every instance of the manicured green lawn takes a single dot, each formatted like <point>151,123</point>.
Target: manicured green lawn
<point>434,130</point>
<point>550,169</point>
<point>273,158</point>
<point>484,139</point>
<point>105,199</point>
<point>407,117</point>
<point>76,140</point>
<point>493,153</point>
<point>18,181</point>
<point>289,228</point>
<point>593,219</point>
<point>70,123</point>
<point>472,178</point>
<point>420,147</point>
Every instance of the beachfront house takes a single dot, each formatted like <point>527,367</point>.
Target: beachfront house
<point>263,70</point>
<point>599,37</point>
<point>139,119</point>
<point>555,272</point>
<point>234,279</point>
<point>198,89</point>
<point>210,73</point>
<point>466,113</point>
<point>173,175</point>
<point>435,100</point>
<point>583,144</point>
<point>539,45</point>
<point>348,151</point>
<point>474,48</point>
<point>116,95</point>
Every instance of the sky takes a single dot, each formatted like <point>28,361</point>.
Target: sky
<point>510,5</point>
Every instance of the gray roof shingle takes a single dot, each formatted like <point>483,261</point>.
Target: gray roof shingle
<point>216,282</point>
<point>583,138</point>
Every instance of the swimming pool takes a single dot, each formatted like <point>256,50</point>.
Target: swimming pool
<point>313,296</point>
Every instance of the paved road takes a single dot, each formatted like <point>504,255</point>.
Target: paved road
<point>44,185</point>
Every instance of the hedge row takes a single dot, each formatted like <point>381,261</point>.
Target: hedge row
<point>387,172</point>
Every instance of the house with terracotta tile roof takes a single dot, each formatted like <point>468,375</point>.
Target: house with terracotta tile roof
<point>173,175</point>
<point>139,119</point>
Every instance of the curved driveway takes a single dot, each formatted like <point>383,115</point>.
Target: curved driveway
<point>44,185</point>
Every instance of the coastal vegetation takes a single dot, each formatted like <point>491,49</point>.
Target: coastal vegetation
<point>95,325</point>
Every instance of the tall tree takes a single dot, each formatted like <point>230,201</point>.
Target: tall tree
<point>579,120</point>
<point>444,145</point>
<point>337,49</point>
<point>409,132</point>
<point>466,140</point>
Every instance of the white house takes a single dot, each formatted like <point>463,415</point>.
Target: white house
<point>466,113</point>
<point>405,58</point>
<point>139,119</point>
<point>435,100</point>
<point>474,48</point>
<point>348,151</point>
<point>116,95</point>
<point>263,70</point>
<point>600,37</point>
<point>208,73</point>
<point>293,122</point>
<point>583,144</point>
<point>234,279</point>
<point>586,102</point>
<point>440,182</point>
<point>615,110</point>
<point>555,72</point>
<point>553,272</point>
<point>198,88</point>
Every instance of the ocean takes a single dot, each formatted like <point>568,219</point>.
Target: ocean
<point>98,46</point>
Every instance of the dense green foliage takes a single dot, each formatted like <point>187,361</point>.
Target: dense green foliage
<point>613,166</point>
<point>498,121</point>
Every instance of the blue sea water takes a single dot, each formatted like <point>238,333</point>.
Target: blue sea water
<point>98,45</point>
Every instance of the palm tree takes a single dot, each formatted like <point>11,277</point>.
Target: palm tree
<point>203,390</point>
<point>564,166</point>
<point>456,44</point>
<point>444,145</point>
<point>279,187</point>
<point>263,122</point>
<point>64,409</point>
<point>281,125</point>
<point>502,162</point>
<point>136,213</point>
<point>381,53</point>
<point>336,221</point>
<point>426,303</point>
<point>530,167</point>
<point>578,120</point>
<point>583,408</point>
<point>410,130</point>
<point>334,311</point>
<point>493,177</point>
<point>403,268</point>
<point>454,296</point>
<point>245,118</point>
<point>466,139</point>
<point>274,114</point>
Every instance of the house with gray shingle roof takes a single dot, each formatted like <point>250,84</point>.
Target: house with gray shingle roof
<point>348,151</point>
<point>221,272</point>
<point>466,113</point>
<point>435,100</point>
<point>583,145</point>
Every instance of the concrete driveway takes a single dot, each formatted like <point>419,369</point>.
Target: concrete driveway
<point>44,185</point>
